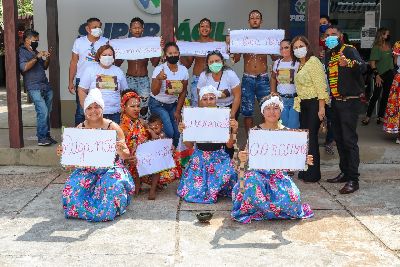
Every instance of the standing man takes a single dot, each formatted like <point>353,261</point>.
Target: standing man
<point>255,82</point>
<point>199,62</point>
<point>137,74</point>
<point>345,68</point>
<point>83,54</point>
<point>33,64</point>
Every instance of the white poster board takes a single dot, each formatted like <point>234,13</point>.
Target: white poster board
<point>256,41</point>
<point>154,157</point>
<point>367,36</point>
<point>277,150</point>
<point>369,19</point>
<point>136,48</point>
<point>199,49</point>
<point>88,147</point>
<point>206,125</point>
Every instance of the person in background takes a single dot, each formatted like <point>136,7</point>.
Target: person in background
<point>32,64</point>
<point>312,96</point>
<point>83,54</point>
<point>381,62</point>
<point>282,82</point>
<point>108,78</point>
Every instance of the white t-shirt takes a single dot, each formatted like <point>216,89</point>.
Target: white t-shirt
<point>110,82</point>
<point>229,80</point>
<point>83,48</point>
<point>170,88</point>
<point>285,73</point>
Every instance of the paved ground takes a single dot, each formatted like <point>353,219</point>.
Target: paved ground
<point>362,229</point>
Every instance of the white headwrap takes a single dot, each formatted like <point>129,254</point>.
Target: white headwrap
<point>209,89</point>
<point>94,96</point>
<point>273,100</point>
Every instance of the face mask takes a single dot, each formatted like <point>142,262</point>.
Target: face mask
<point>96,32</point>
<point>172,59</point>
<point>107,60</point>
<point>323,27</point>
<point>34,45</point>
<point>300,52</point>
<point>331,41</point>
<point>216,67</point>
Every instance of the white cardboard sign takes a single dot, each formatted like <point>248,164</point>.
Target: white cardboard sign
<point>277,150</point>
<point>206,125</point>
<point>136,48</point>
<point>200,49</point>
<point>256,41</point>
<point>88,147</point>
<point>154,157</point>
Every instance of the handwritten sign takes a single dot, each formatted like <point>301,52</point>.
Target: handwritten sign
<point>154,157</point>
<point>136,48</point>
<point>88,147</point>
<point>206,125</point>
<point>200,49</point>
<point>256,41</point>
<point>276,150</point>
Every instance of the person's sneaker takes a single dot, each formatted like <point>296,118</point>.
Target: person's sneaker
<point>44,142</point>
<point>51,139</point>
<point>397,141</point>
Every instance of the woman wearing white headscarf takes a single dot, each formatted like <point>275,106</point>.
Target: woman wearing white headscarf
<point>210,172</point>
<point>98,194</point>
<point>268,194</point>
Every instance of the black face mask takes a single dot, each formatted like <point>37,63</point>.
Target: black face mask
<point>387,37</point>
<point>172,59</point>
<point>34,45</point>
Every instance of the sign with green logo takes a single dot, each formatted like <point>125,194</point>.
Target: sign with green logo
<point>186,33</point>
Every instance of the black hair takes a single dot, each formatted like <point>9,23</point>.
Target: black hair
<point>90,20</point>
<point>205,20</point>
<point>286,40</point>
<point>136,19</point>
<point>325,17</point>
<point>255,11</point>
<point>168,45</point>
<point>30,33</point>
<point>216,53</point>
<point>154,118</point>
<point>334,27</point>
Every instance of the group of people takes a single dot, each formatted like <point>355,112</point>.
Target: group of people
<point>296,96</point>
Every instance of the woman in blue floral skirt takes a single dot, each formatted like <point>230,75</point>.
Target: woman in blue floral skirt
<point>98,194</point>
<point>210,172</point>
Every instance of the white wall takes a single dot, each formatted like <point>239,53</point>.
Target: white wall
<point>72,13</point>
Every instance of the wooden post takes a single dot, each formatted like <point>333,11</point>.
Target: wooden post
<point>10,16</point>
<point>169,19</point>
<point>284,16</point>
<point>312,24</point>
<point>54,67</point>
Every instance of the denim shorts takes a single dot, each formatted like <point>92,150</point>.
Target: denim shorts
<point>141,85</point>
<point>252,87</point>
<point>194,99</point>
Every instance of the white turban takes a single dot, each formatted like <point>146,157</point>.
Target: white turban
<point>209,89</point>
<point>94,96</point>
<point>273,100</point>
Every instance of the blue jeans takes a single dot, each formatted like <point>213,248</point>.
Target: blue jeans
<point>289,116</point>
<point>42,99</point>
<point>116,117</point>
<point>79,113</point>
<point>194,98</point>
<point>141,85</point>
<point>166,113</point>
<point>253,87</point>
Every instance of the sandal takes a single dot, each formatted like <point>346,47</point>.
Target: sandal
<point>365,121</point>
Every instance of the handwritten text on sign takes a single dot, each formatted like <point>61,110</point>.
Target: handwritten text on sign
<point>206,125</point>
<point>201,49</point>
<point>280,149</point>
<point>88,147</point>
<point>136,48</point>
<point>154,157</point>
<point>256,41</point>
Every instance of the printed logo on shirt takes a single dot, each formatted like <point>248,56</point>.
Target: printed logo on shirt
<point>107,82</point>
<point>285,76</point>
<point>173,87</point>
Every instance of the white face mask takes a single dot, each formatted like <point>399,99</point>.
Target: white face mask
<point>96,32</point>
<point>107,60</point>
<point>300,52</point>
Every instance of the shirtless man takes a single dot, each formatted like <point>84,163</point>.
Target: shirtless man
<point>199,62</point>
<point>137,73</point>
<point>255,82</point>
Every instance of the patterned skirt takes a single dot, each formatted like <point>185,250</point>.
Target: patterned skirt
<point>97,194</point>
<point>268,195</point>
<point>209,174</point>
<point>392,116</point>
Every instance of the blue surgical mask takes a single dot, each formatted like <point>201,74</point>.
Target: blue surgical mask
<point>323,27</point>
<point>331,41</point>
